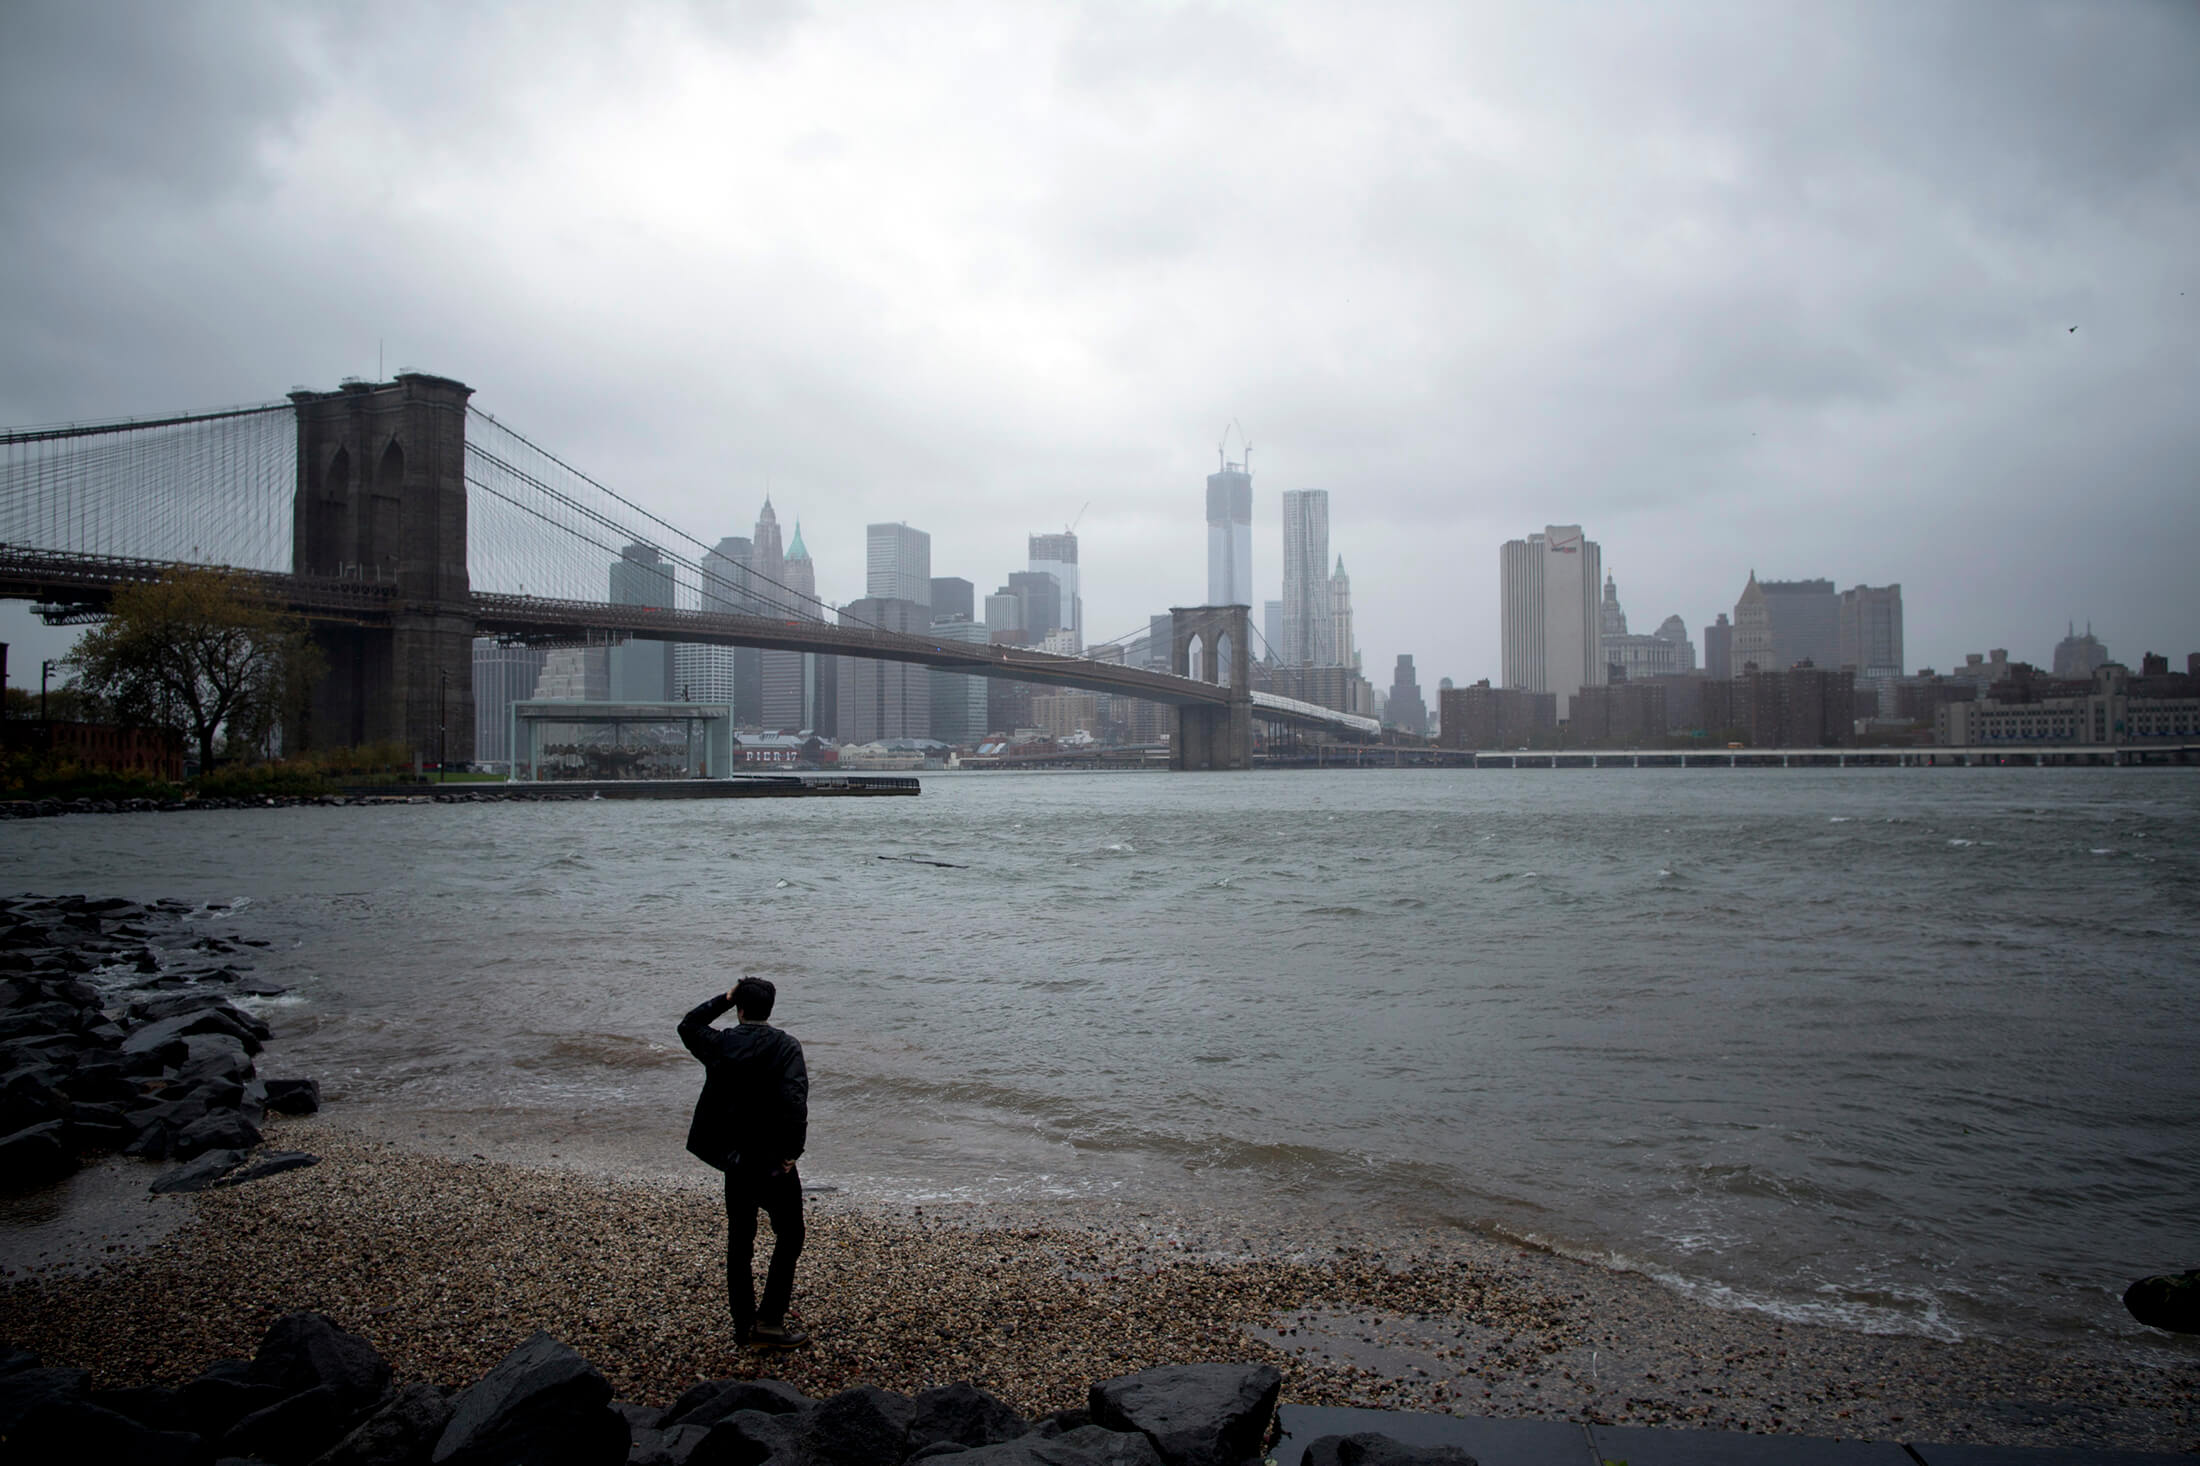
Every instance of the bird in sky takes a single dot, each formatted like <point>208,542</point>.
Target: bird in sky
<point>2073,328</point>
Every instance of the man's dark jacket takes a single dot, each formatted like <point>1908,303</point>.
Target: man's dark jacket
<point>754,1114</point>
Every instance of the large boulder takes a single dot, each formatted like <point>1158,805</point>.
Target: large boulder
<point>222,1394</point>
<point>964,1414</point>
<point>216,1130</point>
<point>293,1096</point>
<point>1027,1450</point>
<point>542,1405</point>
<point>198,1174</point>
<point>305,1351</point>
<point>272,1163</point>
<point>1195,1414</point>
<point>168,1038</point>
<point>1371,1449</point>
<point>857,1427</point>
<point>744,1438</point>
<point>27,1389</point>
<point>35,1155</point>
<point>159,1123</point>
<point>295,1428</point>
<point>714,1400</point>
<point>402,1433</point>
<point>2167,1301</point>
<point>78,1430</point>
<point>214,1055</point>
<point>672,1447</point>
<point>1112,1447</point>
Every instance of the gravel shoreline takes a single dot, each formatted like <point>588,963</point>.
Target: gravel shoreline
<point>445,1264</point>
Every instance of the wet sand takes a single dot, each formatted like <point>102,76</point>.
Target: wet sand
<point>446,1263</point>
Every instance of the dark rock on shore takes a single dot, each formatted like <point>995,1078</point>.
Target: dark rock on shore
<point>294,1096</point>
<point>542,1405</point>
<point>714,1400</point>
<point>306,1351</point>
<point>402,1433</point>
<point>2167,1301</point>
<point>964,1415</point>
<point>167,1074</point>
<point>314,1394</point>
<point>198,1174</point>
<point>1195,1414</point>
<point>1379,1450</point>
<point>36,1154</point>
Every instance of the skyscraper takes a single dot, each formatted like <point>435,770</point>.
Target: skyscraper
<point>881,700</point>
<point>958,699</point>
<point>1271,630</point>
<point>503,675</point>
<point>1871,632</point>
<point>889,699</point>
<point>1547,594</point>
<point>641,671</point>
<point>897,564</point>
<point>1405,709</point>
<point>1309,629</point>
<point>1718,648</point>
<point>778,673</point>
<point>726,576</point>
<point>1230,535</point>
<point>2075,655</point>
<point>1056,555</point>
<point>1340,617</point>
<point>767,564</point>
<point>1806,622</point>
<point>729,674</point>
<point>802,580</point>
<point>1753,646</point>
<point>791,678</point>
<point>952,596</point>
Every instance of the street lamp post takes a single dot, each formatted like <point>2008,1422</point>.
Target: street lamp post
<point>442,725</point>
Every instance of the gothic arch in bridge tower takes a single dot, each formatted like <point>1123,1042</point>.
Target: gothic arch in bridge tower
<point>383,516</point>
<point>323,533</point>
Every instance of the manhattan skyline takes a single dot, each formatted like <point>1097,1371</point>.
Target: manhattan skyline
<point>1787,291</point>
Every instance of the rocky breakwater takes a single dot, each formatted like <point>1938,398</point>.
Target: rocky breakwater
<point>315,1393</point>
<point>120,1031</point>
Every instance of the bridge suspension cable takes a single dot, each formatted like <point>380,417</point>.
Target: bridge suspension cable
<point>522,487</point>
<point>210,487</point>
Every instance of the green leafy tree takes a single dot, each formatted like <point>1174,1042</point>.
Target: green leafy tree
<point>198,652</point>
<point>64,704</point>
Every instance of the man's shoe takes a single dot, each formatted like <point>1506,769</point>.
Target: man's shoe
<point>777,1336</point>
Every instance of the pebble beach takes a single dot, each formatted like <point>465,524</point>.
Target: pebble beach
<point>446,1262</point>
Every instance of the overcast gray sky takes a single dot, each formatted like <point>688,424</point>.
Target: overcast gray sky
<point>1747,286</point>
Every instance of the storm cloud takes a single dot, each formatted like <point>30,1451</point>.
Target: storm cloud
<point>1783,288</point>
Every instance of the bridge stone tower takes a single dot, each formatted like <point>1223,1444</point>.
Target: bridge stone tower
<point>1214,737</point>
<point>382,499</point>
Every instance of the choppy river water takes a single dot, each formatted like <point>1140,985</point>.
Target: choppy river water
<point>1898,1049</point>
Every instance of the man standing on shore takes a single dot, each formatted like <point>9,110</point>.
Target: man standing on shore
<point>751,1123</point>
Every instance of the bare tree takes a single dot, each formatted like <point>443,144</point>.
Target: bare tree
<point>197,651</point>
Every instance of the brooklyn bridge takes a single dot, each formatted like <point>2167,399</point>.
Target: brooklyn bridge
<point>401,521</point>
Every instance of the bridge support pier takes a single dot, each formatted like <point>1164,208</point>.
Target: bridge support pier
<point>382,498</point>
<point>1217,639</point>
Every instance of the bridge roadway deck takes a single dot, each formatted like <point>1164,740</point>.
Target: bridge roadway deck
<point>79,586</point>
<point>538,618</point>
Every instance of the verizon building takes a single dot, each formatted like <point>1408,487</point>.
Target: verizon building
<point>1548,589</point>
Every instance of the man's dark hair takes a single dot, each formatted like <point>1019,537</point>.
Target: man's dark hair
<point>753,996</point>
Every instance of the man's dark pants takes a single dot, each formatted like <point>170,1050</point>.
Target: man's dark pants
<point>780,1195</point>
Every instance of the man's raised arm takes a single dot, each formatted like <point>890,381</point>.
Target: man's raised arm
<point>695,1027</point>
